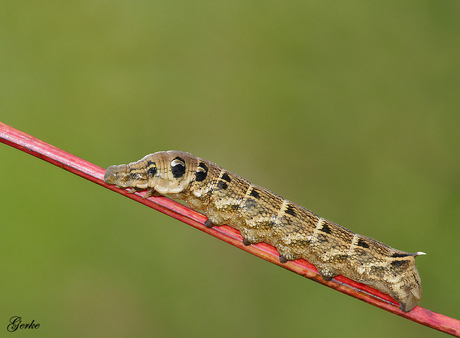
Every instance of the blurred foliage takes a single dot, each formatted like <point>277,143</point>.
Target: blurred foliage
<point>348,108</point>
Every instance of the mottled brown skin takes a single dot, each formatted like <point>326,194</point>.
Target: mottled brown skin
<point>263,216</point>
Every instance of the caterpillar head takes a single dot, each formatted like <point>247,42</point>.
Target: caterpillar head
<point>167,172</point>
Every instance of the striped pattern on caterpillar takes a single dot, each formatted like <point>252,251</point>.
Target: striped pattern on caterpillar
<point>263,216</point>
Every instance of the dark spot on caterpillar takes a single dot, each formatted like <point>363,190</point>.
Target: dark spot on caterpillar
<point>222,185</point>
<point>398,264</point>
<point>343,257</point>
<point>399,255</point>
<point>226,177</point>
<point>254,193</point>
<point>325,228</point>
<point>134,174</point>
<point>178,167</point>
<point>362,243</point>
<point>283,259</point>
<point>152,168</point>
<point>152,171</point>
<point>250,203</point>
<point>290,210</point>
<point>246,242</point>
<point>201,172</point>
<point>377,269</point>
<point>321,239</point>
<point>208,224</point>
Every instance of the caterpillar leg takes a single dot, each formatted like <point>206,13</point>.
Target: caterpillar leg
<point>151,192</point>
<point>208,224</point>
<point>283,259</point>
<point>246,242</point>
<point>326,273</point>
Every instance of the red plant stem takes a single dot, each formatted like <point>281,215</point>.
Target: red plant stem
<point>80,167</point>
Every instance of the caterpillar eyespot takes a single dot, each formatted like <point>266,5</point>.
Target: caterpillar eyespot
<point>263,216</point>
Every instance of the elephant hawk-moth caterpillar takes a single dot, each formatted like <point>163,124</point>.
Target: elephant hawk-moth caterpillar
<point>263,216</point>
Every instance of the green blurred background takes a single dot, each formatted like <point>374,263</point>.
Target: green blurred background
<point>351,109</point>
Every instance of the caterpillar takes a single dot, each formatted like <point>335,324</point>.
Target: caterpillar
<point>263,216</point>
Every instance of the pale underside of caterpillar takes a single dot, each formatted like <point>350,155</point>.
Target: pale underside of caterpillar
<point>263,216</point>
